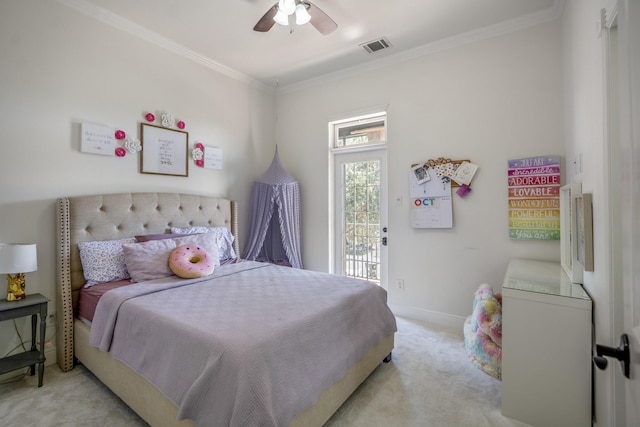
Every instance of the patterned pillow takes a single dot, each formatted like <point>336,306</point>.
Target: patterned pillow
<point>223,235</point>
<point>103,261</point>
<point>150,260</point>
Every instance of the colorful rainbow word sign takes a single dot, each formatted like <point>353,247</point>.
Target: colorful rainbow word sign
<point>534,198</point>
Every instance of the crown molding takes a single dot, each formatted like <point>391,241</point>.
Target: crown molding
<point>547,15</point>
<point>123,24</point>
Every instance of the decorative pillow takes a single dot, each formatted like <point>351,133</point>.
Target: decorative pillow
<point>190,261</point>
<point>206,240</point>
<point>103,261</point>
<point>147,237</point>
<point>223,234</point>
<point>150,260</point>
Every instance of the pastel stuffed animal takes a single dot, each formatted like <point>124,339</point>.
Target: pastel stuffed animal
<point>488,308</point>
<point>483,331</point>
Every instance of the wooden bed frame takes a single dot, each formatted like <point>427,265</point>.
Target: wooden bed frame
<point>117,216</point>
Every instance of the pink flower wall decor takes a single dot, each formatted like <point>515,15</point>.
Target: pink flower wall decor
<point>120,134</point>
<point>121,152</point>
<point>181,124</point>
<point>150,117</point>
<point>198,154</point>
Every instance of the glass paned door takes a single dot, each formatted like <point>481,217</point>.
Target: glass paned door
<point>361,215</point>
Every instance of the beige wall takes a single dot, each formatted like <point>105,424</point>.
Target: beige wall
<point>60,68</point>
<point>487,101</point>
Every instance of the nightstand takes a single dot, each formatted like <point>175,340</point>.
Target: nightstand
<point>33,305</point>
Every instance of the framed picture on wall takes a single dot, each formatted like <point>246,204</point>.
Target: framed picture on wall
<point>568,223</point>
<point>584,230</point>
<point>164,151</point>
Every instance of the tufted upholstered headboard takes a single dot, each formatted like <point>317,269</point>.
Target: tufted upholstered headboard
<point>117,216</point>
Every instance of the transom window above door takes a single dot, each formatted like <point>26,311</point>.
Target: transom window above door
<point>363,131</point>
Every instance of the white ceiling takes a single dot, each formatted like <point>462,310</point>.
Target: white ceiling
<point>219,33</point>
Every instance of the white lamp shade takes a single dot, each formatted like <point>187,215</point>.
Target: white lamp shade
<point>18,258</point>
<point>287,6</point>
<point>302,16</point>
<point>281,18</point>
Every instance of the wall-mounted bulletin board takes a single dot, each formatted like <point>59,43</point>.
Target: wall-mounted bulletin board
<point>430,185</point>
<point>534,198</point>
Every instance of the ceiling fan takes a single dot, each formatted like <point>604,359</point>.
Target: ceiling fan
<point>304,11</point>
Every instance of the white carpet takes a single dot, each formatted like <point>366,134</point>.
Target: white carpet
<point>429,383</point>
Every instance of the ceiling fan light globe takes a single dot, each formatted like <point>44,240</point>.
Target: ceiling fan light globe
<point>302,16</point>
<point>287,6</point>
<point>281,18</point>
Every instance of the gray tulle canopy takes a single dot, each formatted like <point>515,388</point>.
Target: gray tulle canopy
<point>275,218</point>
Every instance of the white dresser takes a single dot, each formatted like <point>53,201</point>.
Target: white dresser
<point>546,346</point>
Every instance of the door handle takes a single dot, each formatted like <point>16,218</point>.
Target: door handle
<point>621,353</point>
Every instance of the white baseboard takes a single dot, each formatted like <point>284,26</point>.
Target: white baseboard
<point>450,322</point>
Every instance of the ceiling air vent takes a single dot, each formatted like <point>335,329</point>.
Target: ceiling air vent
<point>376,45</point>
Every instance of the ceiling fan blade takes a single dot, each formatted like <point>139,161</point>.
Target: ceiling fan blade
<point>320,20</point>
<point>266,22</point>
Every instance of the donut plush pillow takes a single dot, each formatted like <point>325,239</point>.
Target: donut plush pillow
<point>190,261</point>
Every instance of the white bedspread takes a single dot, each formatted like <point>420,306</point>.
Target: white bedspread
<point>252,345</point>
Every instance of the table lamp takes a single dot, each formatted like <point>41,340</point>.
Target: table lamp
<point>16,258</point>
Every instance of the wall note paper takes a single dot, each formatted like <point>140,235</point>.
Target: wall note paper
<point>212,158</point>
<point>534,198</point>
<point>97,139</point>
<point>464,173</point>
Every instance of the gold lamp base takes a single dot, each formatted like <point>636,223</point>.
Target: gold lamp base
<point>15,287</point>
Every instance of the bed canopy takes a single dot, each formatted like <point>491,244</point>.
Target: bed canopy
<point>275,218</point>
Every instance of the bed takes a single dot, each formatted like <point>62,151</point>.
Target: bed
<point>108,217</point>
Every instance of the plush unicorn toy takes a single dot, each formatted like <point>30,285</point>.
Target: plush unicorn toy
<point>483,332</point>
